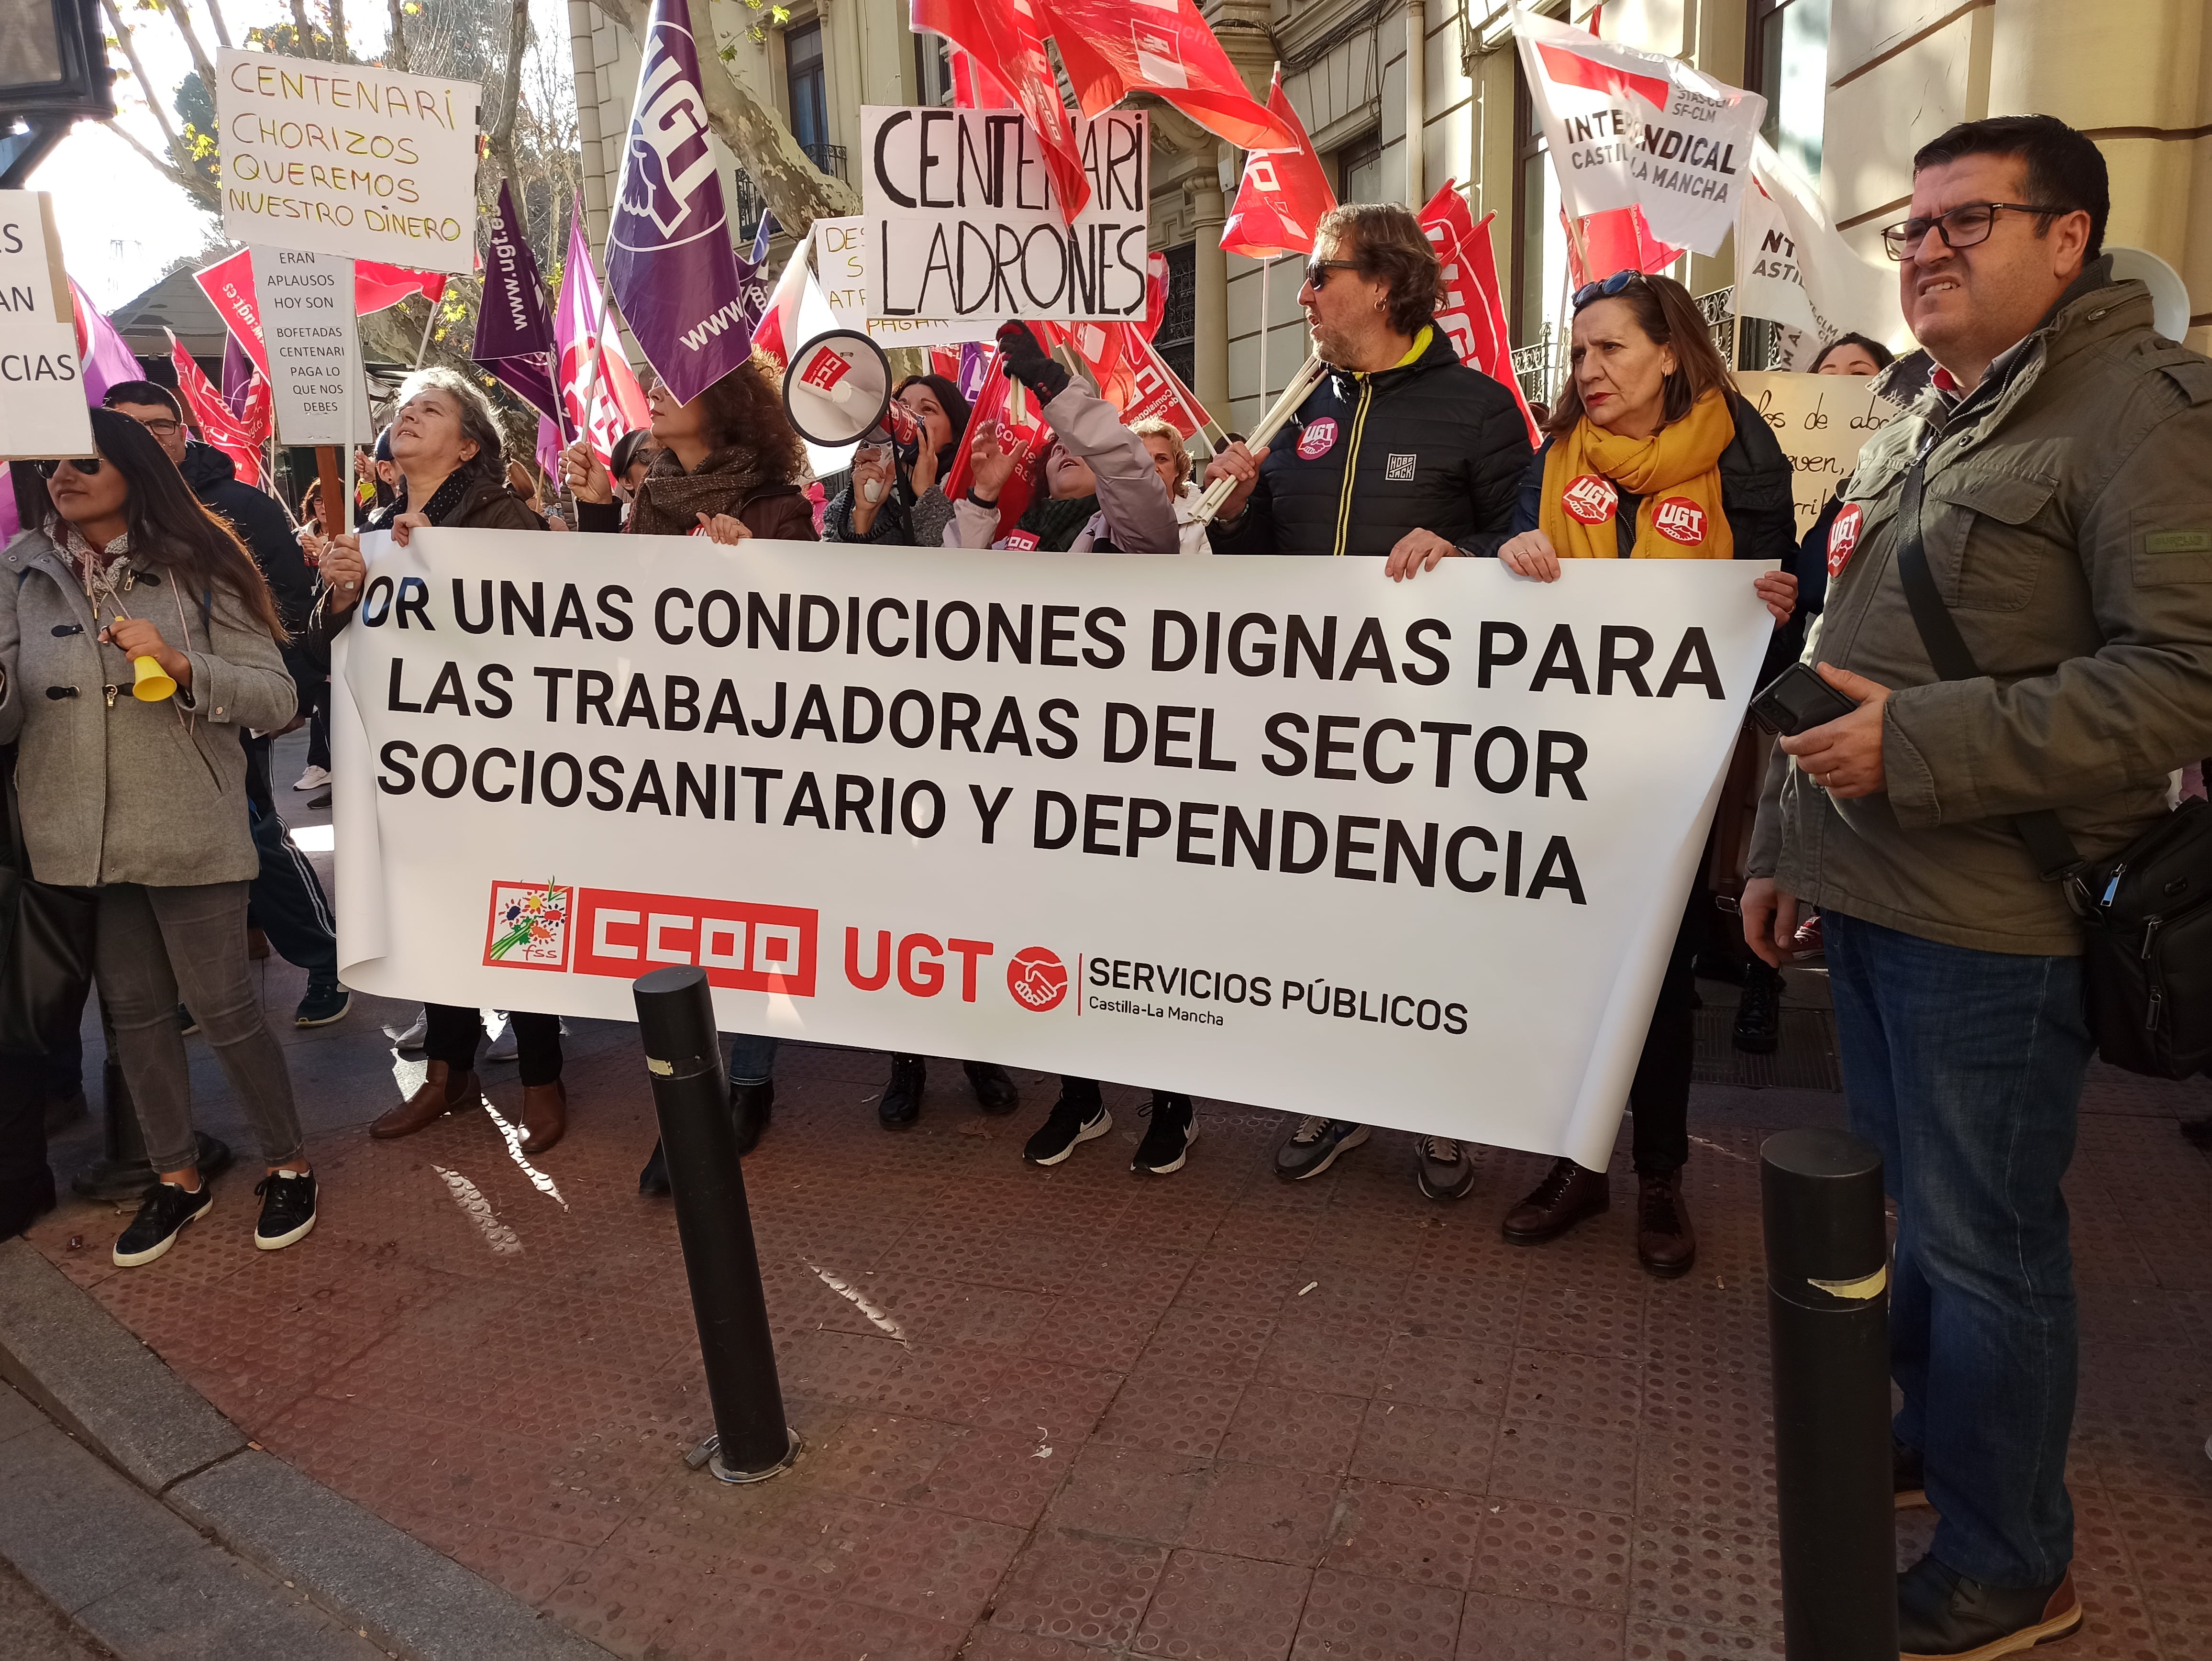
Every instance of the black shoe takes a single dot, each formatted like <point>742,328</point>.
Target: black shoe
<point>163,1211</point>
<point>287,1209</point>
<point>652,1181</point>
<point>752,1105</point>
<point>1168,1138</point>
<point>1072,1123</point>
<point>322,1005</point>
<point>900,1105</point>
<point>1759,1013</point>
<point>1711,966</point>
<point>1942,1614</point>
<point>996,1094</point>
<point>1314,1146</point>
<point>1904,1467</point>
<point>1442,1167</point>
<point>1569,1193</point>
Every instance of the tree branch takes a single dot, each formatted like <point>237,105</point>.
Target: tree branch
<point>222,29</point>
<point>145,81</point>
<point>200,189</point>
<point>502,147</point>
<point>398,50</point>
<point>341,48</point>
<point>201,61</point>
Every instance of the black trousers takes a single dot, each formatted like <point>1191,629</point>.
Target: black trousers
<point>1659,1095</point>
<point>26,1183</point>
<point>286,900</point>
<point>455,1034</point>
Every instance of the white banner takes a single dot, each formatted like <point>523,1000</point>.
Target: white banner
<point>349,159</point>
<point>1794,266</point>
<point>1634,128</point>
<point>963,213</point>
<point>845,268</point>
<point>1821,422</point>
<point>1276,829</point>
<point>42,404</point>
<point>313,341</point>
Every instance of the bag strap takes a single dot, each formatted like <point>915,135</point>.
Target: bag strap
<point>2048,844</point>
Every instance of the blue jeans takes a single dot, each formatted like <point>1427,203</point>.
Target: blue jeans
<point>1964,1068</point>
<point>753,1057</point>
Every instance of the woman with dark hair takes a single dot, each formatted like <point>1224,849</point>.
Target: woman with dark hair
<point>728,469</point>
<point>145,796</point>
<point>446,443</point>
<point>895,503</point>
<point>1853,355</point>
<point>1649,412</point>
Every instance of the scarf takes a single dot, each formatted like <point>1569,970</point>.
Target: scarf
<point>1676,470</point>
<point>669,502</point>
<point>99,572</point>
<point>1057,524</point>
<point>444,502</point>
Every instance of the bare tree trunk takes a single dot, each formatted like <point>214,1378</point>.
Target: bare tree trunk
<point>501,149</point>
<point>398,50</point>
<point>300,22</point>
<point>222,29</point>
<point>201,61</point>
<point>341,48</point>
<point>178,166</point>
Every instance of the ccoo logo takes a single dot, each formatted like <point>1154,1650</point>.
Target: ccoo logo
<point>1036,978</point>
<point>669,161</point>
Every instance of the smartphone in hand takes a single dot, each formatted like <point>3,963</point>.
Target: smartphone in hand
<point>1796,700</point>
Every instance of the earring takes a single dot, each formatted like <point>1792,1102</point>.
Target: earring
<point>1379,305</point>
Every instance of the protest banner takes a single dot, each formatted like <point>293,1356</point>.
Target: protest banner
<point>42,393</point>
<point>1820,421</point>
<point>1796,268</point>
<point>843,266</point>
<point>967,222</point>
<point>1419,847</point>
<point>348,159</point>
<point>304,302</point>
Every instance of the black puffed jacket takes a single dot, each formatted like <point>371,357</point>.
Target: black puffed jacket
<point>1432,445</point>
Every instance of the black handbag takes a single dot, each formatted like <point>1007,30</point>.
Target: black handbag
<point>2146,911</point>
<point>46,946</point>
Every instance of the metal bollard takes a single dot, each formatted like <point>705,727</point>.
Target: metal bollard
<point>691,1096</point>
<point>1827,1309</point>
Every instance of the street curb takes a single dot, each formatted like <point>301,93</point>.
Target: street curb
<point>63,1351</point>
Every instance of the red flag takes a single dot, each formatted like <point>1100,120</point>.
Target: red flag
<point>1156,296</point>
<point>213,417</point>
<point>974,87</point>
<point>617,402</point>
<point>945,361</point>
<point>1112,48</point>
<point>1471,310</point>
<point>1004,38</point>
<point>1571,69</point>
<point>990,404</point>
<point>1283,195</point>
<point>228,285</point>
<point>1133,377</point>
<point>1618,241</point>
<point>376,287</point>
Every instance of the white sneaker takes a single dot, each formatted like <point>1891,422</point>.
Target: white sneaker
<point>411,1036</point>
<point>313,779</point>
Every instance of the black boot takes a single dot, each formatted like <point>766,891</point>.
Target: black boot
<point>900,1105</point>
<point>1759,1014</point>
<point>996,1091</point>
<point>751,1105</point>
<point>1940,1613</point>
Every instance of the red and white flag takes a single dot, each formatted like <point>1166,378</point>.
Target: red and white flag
<point>993,402</point>
<point>1115,47</point>
<point>1004,38</point>
<point>1619,240</point>
<point>228,286</point>
<point>1472,311</point>
<point>1283,194</point>
<point>236,436</point>
<point>617,401</point>
<point>377,287</point>
<point>1133,377</point>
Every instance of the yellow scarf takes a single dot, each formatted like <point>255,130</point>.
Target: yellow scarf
<point>1676,470</point>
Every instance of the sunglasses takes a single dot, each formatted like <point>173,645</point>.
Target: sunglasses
<point>1606,290</point>
<point>89,466</point>
<point>1318,272</point>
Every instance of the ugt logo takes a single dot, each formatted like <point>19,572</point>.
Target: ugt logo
<point>1590,498</point>
<point>1680,520</point>
<point>669,158</point>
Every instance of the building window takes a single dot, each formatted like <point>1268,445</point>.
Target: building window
<point>933,68</point>
<point>1789,67</point>
<point>1539,242</point>
<point>1359,170</point>
<point>1177,340</point>
<point>803,77</point>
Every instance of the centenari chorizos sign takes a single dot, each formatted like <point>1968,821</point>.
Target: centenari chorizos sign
<point>348,159</point>
<point>1277,830</point>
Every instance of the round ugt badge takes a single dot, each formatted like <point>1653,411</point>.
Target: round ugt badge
<point>1843,537</point>
<point>1680,520</point>
<point>1590,499</point>
<point>1318,439</point>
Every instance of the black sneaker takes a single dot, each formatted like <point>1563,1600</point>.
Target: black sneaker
<point>1759,1011</point>
<point>1940,1612</point>
<point>996,1092</point>
<point>1070,1124</point>
<point>1169,1137</point>
<point>1442,1167</point>
<point>163,1210</point>
<point>287,1209</point>
<point>900,1105</point>
<point>1314,1146</point>
<point>322,1005</point>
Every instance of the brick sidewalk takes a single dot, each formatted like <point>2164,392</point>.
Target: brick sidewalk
<point>1070,1413</point>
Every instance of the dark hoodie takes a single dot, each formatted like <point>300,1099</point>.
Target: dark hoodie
<point>261,525</point>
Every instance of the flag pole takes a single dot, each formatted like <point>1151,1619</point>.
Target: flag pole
<point>1265,261</point>
<point>423,346</point>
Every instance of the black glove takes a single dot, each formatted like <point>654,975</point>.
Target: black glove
<point>1027,363</point>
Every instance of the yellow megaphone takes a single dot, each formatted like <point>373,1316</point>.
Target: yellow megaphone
<point>151,684</point>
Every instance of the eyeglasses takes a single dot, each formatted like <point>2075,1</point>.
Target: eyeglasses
<point>89,466</point>
<point>162,428</point>
<point>1606,289</point>
<point>1318,272</point>
<point>1962,227</point>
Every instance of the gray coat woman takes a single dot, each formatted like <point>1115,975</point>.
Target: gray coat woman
<point>125,583</point>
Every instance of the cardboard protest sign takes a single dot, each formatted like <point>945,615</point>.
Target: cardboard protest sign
<point>842,264</point>
<point>42,393</point>
<point>1295,836</point>
<point>1821,422</point>
<point>309,329</point>
<point>965,223</point>
<point>348,159</point>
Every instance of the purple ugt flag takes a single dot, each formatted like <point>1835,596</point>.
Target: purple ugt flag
<point>669,260</point>
<point>514,335</point>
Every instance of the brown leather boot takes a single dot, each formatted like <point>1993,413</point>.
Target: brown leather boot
<point>1563,1198</point>
<point>443,1090</point>
<point>544,1116</point>
<point>1666,1245</point>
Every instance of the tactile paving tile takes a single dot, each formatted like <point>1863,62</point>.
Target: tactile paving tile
<point>1128,1494</point>
<point>1536,1460</point>
<point>999,1475</point>
<point>1263,1511</point>
<point>1493,1628</point>
<point>1226,1608</point>
<point>1213,1342</point>
<point>1078,1587</point>
<point>1169,1412</point>
<point>1301,1429</point>
<point>1658,1640</point>
<point>1429,1447</point>
<point>1452,1374</point>
<point>1422,1535</point>
<point>1356,1617</point>
<point>1595,1393</point>
<point>1722,1574</point>
<point>2169,1541</point>
<point>1554,1554</point>
<point>1342,1357</point>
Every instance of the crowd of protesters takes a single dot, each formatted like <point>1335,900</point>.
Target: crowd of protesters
<point>1955,969</point>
